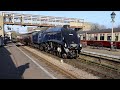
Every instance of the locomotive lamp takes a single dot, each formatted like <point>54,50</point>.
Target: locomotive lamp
<point>112,17</point>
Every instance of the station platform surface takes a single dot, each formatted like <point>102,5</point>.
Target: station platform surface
<point>16,65</point>
<point>103,51</point>
<point>8,69</point>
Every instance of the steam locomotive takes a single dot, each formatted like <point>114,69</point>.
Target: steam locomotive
<point>61,41</point>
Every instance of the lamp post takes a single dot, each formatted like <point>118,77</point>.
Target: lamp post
<point>112,17</point>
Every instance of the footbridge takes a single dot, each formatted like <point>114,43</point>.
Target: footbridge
<point>9,18</point>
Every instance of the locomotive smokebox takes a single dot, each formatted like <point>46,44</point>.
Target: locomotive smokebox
<point>66,26</point>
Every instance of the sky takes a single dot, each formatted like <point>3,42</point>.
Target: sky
<point>100,17</point>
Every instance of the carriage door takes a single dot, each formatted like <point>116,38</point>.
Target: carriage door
<point>95,36</point>
<point>116,36</point>
<point>108,37</point>
<point>102,37</point>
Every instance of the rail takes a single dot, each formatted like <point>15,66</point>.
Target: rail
<point>104,56</point>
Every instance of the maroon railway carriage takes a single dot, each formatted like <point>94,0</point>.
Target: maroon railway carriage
<point>101,37</point>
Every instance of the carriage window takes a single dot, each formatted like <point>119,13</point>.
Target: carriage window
<point>84,38</point>
<point>95,37</point>
<point>116,38</point>
<point>101,37</point>
<point>108,38</point>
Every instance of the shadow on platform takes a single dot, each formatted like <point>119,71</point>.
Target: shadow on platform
<point>8,69</point>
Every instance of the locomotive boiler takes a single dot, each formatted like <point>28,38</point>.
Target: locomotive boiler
<point>61,41</point>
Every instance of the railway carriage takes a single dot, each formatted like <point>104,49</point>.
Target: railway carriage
<point>101,37</point>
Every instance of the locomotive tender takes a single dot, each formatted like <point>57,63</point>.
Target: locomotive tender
<point>61,41</point>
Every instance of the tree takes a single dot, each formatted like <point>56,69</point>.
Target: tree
<point>102,27</point>
<point>118,26</point>
<point>96,26</point>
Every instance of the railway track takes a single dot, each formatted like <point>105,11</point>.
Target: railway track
<point>64,68</point>
<point>103,61</point>
<point>100,67</point>
<point>68,75</point>
<point>97,69</point>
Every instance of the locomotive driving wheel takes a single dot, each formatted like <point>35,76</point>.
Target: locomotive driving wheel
<point>59,54</point>
<point>54,53</point>
<point>41,47</point>
<point>59,50</point>
<point>64,56</point>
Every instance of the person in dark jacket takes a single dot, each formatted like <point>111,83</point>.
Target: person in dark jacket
<point>10,18</point>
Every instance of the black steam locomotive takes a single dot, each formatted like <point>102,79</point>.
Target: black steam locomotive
<point>61,41</point>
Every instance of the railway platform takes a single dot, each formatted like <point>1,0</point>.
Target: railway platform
<point>14,64</point>
<point>8,69</point>
<point>103,52</point>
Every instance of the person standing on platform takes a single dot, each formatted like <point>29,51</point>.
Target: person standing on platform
<point>4,18</point>
<point>21,19</point>
<point>10,18</point>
